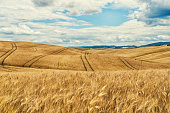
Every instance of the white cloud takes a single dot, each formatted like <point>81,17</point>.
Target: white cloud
<point>45,40</point>
<point>21,29</point>
<point>17,17</point>
<point>5,39</point>
<point>153,12</point>
<point>164,37</point>
<point>74,7</point>
<point>131,32</point>
<point>126,4</point>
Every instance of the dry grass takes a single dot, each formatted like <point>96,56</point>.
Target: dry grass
<point>85,92</point>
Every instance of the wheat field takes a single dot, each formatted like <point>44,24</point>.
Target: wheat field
<point>44,56</point>
<point>41,78</point>
<point>50,91</point>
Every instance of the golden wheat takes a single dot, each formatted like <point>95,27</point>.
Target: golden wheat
<point>50,91</point>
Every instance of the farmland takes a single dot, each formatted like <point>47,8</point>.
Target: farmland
<point>41,78</point>
<point>43,56</point>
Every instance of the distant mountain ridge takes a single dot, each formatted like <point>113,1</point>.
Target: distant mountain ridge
<point>156,44</point>
<point>113,46</point>
<point>103,46</point>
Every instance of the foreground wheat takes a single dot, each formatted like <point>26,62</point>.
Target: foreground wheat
<point>85,92</point>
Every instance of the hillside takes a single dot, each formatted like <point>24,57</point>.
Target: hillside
<point>35,55</point>
<point>26,54</point>
<point>153,54</point>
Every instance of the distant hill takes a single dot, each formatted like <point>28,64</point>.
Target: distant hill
<point>113,46</point>
<point>102,46</point>
<point>156,44</point>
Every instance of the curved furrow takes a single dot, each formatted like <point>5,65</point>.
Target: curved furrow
<point>86,63</point>
<point>127,64</point>
<point>83,63</point>
<point>8,53</point>
<point>30,61</point>
<point>37,58</point>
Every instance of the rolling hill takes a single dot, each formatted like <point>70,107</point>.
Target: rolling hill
<point>43,56</point>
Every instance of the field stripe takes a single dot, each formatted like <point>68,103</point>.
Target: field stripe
<point>35,59</point>
<point>83,63</point>
<point>27,63</point>
<point>157,51</point>
<point>127,64</point>
<point>86,63</point>
<point>8,53</point>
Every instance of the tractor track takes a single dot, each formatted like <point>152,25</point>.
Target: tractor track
<point>35,59</point>
<point>158,51</point>
<point>83,63</point>
<point>127,64</point>
<point>86,63</point>
<point>8,53</point>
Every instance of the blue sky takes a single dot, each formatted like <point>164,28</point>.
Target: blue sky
<point>108,17</point>
<point>85,22</point>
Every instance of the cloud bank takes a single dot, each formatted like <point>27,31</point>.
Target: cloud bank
<point>54,22</point>
<point>153,12</point>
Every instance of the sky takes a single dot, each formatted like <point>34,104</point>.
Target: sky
<point>85,22</point>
